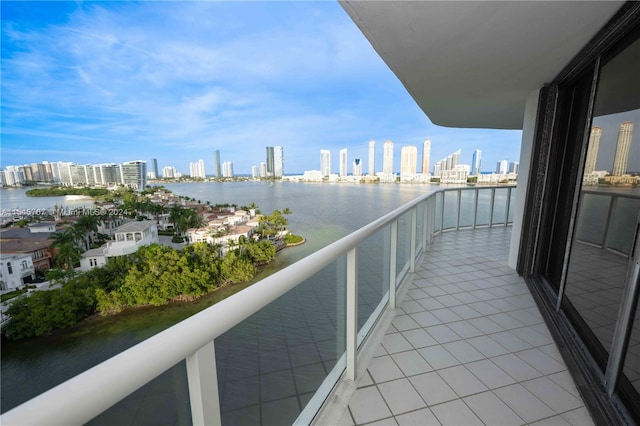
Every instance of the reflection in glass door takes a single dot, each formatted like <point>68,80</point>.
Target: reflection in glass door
<point>597,274</point>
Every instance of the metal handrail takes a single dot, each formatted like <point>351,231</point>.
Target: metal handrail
<point>88,394</point>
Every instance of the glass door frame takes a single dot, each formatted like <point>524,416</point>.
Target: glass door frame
<point>551,209</point>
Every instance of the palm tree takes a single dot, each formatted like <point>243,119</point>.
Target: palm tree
<point>85,226</point>
<point>68,253</point>
<point>175,216</point>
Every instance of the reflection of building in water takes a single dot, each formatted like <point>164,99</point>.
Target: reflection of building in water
<point>592,150</point>
<point>622,149</point>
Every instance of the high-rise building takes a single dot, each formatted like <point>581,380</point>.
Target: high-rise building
<point>55,171</point>
<point>343,162</point>
<point>11,177</point>
<point>216,163</point>
<point>154,169</point>
<point>169,172</point>
<point>107,174</point>
<point>426,156</point>
<point>372,154</point>
<point>455,159</point>
<point>227,169</point>
<point>476,162</point>
<point>275,161</point>
<point>27,172</point>
<point>622,149</point>
<point>408,161</point>
<point>278,161</point>
<point>387,158</point>
<point>514,166</point>
<point>325,162</point>
<point>592,150</point>
<point>437,169</point>
<point>39,171</point>
<point>197,169</point>
<point>502,167</point>
<point>263,169</point>
<point>357,167</point>
<point>134,174</point>
<point>255,172</point>
<point>447,163</point>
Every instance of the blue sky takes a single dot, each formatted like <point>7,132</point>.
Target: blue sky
<point>96,82</point>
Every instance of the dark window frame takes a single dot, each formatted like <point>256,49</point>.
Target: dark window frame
<point>550,211</point>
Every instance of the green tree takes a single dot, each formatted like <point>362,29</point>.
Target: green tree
<point>261,252</point>
<point>68,253</point>
<point>85,227</point>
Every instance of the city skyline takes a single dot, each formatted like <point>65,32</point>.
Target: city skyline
<point>83,81</point>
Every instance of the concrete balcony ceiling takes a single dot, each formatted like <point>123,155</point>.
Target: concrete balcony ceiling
<point>472,64</point>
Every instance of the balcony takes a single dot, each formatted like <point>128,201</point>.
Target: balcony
<point>405,320</point>
<point>467,346</point>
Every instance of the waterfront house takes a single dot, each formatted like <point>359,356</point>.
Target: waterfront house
<point>127,239</point>
<point>16,270</point>
<point>36,241</point>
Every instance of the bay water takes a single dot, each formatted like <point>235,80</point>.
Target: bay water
<point>321,213</point>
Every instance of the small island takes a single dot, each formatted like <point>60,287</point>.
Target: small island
<point>56,191</point>
<point>205,247</point>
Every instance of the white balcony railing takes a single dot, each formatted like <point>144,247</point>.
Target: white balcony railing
<point>310,317</point>
<point>605,218</point>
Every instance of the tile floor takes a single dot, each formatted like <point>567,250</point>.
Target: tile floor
<point>468,347</point>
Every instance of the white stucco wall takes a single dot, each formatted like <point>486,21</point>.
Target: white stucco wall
<point>526,148</point>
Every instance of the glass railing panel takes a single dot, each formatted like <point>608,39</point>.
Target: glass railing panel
<point>450,209</point>
<point>404,244</point>
<point>467,202</point>
<point>373,274</point>
<point>623,219</point>
<point>631,367</point>
<point>499,206</point>
<point>512,205</point>
<point>271,364</point>
<point>484,207</point>
<point>591,224</point>
<point>164,400</point>
<point>438,212</point>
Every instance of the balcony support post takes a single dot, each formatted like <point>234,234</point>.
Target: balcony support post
<point>613,204</point>
<point>414,233</point>
<point>506,210</point>
<point>459,191</point>
<point>352,313</point>
<point>202,376</point>
<point>493,200</point>
<point>393,250</point>
<point>475,207</point>
<point>442,212</point>
<point>426,228</point>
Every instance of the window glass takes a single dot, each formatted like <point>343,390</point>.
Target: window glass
<point>608,206</point>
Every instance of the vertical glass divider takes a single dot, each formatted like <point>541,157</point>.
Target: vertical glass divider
<point>202,376</point>
<point>352,312</point>
<point>506,210</point>
<point>414,232</point>
<point>393,253</point>
<point>425,224</point>
<point>442,212</point>
<point>491,205</point>
<point>475,207</point>
<point>459,191</point>
<point>612,208</point>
